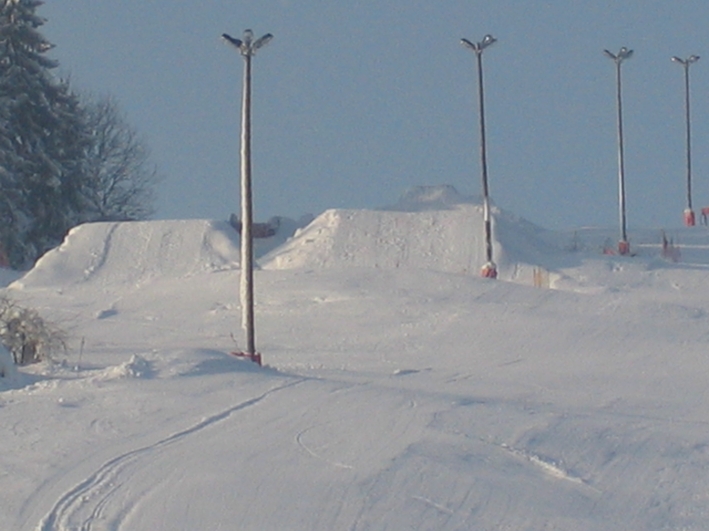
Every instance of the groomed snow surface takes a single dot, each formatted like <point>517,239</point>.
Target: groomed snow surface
<point>400,391</point>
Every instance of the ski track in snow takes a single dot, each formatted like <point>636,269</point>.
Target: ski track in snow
<point>437,506</point>
<point>91,270</point>
<point>548,467</point>
<point>299,440</point>
<point>78,508</point>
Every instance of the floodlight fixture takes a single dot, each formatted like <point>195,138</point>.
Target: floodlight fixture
<point>231,40</point>
<point>689,219</point>
<point>262,41</point>
<point>623,54</point>
<point>247,47</point>
<point>686,62</point>
<point>489,270</point>
<point>478,47</point>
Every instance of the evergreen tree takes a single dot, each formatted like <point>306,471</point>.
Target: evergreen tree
<point>42,140</point>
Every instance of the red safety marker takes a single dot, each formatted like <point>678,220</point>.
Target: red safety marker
<point>689,220</point>
<point>623,248</point>
<point>489,270</point>
<point>255,357</point>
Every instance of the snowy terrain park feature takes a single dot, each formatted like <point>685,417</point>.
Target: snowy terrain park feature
<point>400,391</point>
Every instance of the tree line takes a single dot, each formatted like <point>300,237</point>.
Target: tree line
<point>65,158</point>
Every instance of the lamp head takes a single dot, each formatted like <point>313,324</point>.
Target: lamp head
<point>262,41</point>
<point>468,44</point>
<point>487,41</point>
<point>624,53</point>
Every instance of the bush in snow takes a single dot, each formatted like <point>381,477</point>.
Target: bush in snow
<point>27,336</point>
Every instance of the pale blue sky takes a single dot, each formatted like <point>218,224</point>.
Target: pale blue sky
<point>356,101</point>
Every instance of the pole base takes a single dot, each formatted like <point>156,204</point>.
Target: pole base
<point>255,357</point>
<point>689,219</point>
<point>623,248</point>
<point>489,270</point>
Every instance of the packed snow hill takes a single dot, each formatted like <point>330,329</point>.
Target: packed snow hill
<point>400,390</point>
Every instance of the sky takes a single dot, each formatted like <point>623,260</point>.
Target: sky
<point>354,102</point>
<point>397,392</point>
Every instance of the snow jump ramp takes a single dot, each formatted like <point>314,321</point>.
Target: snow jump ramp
<point>134,252</point>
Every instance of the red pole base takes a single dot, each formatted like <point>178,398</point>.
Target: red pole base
<point>689,220</point>
<point>489,270</point>
<point>623,248</point>
<point>255,357</point>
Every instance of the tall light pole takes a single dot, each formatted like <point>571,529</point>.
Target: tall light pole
<point>689,219</point>
<point>623,245</point>
<point>489,270</point>
<point>247,47</point>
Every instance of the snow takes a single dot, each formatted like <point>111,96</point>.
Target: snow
<point>400,391</point>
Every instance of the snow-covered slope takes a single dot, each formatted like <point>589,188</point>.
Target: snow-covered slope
<point>409,395</point>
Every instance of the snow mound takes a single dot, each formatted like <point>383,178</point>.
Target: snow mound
<point>131,253</point>
<point>383,239</point>
<point>430,228</point>
<point>136,367</point>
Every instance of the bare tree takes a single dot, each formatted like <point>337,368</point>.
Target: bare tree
<point>120,180</point>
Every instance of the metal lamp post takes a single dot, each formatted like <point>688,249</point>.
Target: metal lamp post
<point>689,219</point>
<point>623,245</point>
<point>247,47</point>
<point>489,270</point>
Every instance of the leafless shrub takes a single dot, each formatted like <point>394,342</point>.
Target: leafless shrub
<point>27,336</point>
